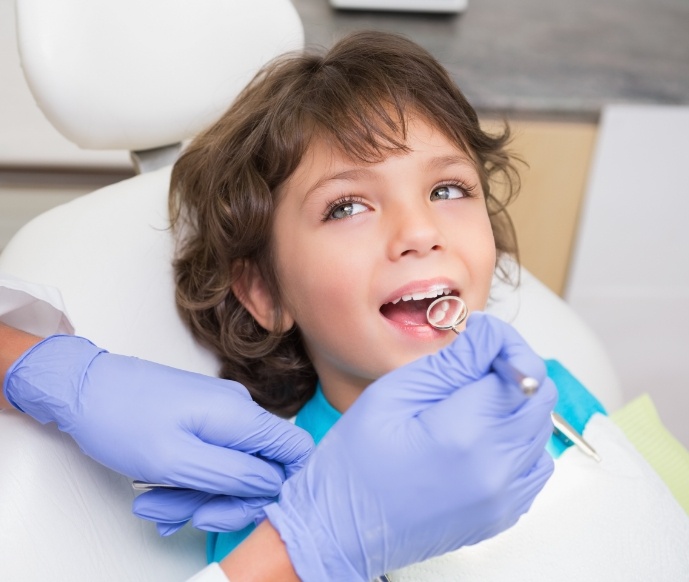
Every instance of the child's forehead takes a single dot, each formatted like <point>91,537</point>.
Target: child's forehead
<point>325,147</point>
<point>325,159</point>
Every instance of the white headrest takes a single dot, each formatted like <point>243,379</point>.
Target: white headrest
<point>136,75</point>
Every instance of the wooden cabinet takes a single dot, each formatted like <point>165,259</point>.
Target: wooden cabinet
<point>557,157</point>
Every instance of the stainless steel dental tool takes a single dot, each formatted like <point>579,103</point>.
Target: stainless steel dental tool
<point>449,312</point>
<point>145,486</point>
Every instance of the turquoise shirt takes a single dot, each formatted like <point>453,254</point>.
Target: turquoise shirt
<point>575,403</point>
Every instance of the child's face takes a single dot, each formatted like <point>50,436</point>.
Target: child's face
<point>352,238</point>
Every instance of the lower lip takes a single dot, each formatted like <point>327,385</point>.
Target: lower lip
<point>419,332</point>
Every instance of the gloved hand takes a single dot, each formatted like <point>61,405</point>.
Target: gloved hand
<point>159,424</point>
<point>171,509</point>
<point>435,455</point>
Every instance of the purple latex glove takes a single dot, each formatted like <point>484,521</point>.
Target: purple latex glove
<point>172,509</point>
<point>433,456</point>
<point>159,424</point>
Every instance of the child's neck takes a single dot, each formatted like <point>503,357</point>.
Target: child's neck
<point>341,395</point>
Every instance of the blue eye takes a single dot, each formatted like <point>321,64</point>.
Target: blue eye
<point>447,192</point>
<point>345,210</point>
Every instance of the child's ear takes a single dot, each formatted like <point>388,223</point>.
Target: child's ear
<point>253,293</point>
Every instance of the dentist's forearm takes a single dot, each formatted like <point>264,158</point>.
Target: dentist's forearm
<point>13,343</point>
<point>262,557</point>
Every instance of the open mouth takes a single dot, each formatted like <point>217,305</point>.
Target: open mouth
<point>411,309</point>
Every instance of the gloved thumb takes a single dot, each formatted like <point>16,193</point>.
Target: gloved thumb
<point>467,359</point>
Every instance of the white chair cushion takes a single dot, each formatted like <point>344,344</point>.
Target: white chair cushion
<point>109,254</point>
<point>66,518</point>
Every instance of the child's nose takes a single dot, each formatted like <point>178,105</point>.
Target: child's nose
<point>414,231</point>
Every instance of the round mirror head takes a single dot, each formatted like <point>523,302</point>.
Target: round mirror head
<point>447,313</point>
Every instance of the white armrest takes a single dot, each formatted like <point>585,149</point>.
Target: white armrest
<point>65,517</point>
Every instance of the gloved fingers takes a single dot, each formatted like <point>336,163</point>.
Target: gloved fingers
<point>279,440</point>
<point>532,482</point>
<point>467,359</point>
<point>476,418</point>
<point>256,431</point>
<point>224,513</point>
<point>482,405</point>
<point>472,354</point>
<point>533,414</point>
<point>169,506</point>
<point>524,435</point>
<point>528,454</point>
<point>172,508</point>
<point>224,471</point>
<point>167,529</point>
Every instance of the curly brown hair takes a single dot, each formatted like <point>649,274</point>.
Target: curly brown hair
<point>225,186</point>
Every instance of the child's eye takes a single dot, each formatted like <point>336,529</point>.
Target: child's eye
<point>344,209</point>
<point>448,192</point>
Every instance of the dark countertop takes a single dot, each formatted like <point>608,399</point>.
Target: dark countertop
<point>552,58</point>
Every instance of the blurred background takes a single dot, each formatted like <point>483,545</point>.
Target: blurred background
<point>597,95</point>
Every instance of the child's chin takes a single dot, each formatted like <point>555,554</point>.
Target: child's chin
<point>422,349</point>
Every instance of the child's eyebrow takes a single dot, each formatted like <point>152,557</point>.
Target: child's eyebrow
<point>345,175</point>
<point>441,162</point>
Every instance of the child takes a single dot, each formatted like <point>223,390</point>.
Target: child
<point>334,200</point>
<point>302,120</point>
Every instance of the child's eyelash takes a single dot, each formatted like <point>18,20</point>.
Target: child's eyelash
<point>468,189</point>
<point>340,201</point>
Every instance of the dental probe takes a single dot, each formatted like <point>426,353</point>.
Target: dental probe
<point>528,386</point>
<point>569,433</point>
<point>145,486</point>
<point>444,317</point>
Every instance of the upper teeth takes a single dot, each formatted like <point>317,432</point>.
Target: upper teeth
<point>430,294</point>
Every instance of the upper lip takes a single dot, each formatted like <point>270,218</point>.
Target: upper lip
<point>421,290</point>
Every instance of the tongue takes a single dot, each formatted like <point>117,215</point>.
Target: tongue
<point>407,312</point>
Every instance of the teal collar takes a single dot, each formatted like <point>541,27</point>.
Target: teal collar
<point>317,416</point>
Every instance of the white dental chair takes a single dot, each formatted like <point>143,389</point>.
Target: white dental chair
<point>62,516</point>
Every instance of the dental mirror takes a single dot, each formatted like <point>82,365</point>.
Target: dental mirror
<point>447,313</point>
